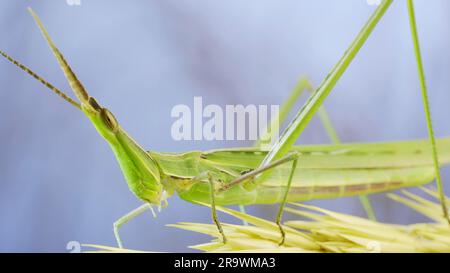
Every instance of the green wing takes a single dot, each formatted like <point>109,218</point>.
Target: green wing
<point>323,171</point>
<point>343,156</point>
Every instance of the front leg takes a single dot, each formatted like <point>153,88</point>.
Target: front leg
<point>127,217</point>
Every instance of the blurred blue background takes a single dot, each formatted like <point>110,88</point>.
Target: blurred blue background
<point>59,180</point>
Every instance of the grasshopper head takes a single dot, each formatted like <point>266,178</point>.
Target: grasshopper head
<point>140,170</point>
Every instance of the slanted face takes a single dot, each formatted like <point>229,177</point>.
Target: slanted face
<point>104,121</point>
<point>141,171</point>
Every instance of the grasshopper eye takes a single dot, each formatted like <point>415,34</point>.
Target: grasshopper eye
<point>109,119</point>
<point>94,104</point>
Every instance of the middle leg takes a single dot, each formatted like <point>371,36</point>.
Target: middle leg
<point>250,175</point>
<point>212,189</point>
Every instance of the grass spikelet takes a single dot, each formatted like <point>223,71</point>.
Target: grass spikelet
<point>328,231</point>
<point>338,232</point>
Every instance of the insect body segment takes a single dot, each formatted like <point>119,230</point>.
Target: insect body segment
<point>323,171</point>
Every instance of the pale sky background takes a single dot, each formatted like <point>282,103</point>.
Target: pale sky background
<point>59,181</point>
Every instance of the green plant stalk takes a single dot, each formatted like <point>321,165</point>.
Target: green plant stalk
<point>305,84</point>
<point>426,105</point>
<point>314,103</point>
<point>296,127</point>
<point>286,107</point>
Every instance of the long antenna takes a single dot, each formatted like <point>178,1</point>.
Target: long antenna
<point>42,80</point>
<point>74,83</point>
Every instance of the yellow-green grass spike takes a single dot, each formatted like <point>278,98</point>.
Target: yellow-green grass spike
<point>338,232</point>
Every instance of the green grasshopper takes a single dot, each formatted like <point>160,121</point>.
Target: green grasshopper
<point>244,176</point>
